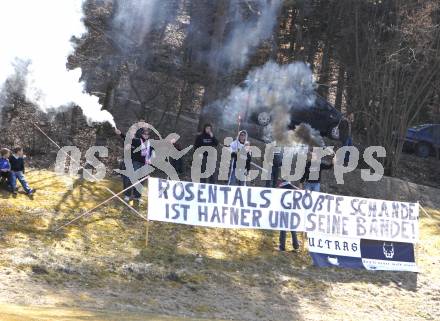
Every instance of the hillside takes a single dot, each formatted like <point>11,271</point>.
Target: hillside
<point>101,267</point>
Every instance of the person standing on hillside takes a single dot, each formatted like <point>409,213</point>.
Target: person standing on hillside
<point>5,166</point>
<point>141,154</point>
<point>206,138</point>
<point>345,135</point>
<point>239,148</point>
<point>277,162</point>
<point>17,171</point>
<point>283,234</point>
<point>311,180</point>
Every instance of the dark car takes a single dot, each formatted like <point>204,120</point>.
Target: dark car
<point>423,139</point>
<point>322,116</point>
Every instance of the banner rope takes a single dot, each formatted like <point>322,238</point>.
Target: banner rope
<point>104,202</point>
<point>88,172</point>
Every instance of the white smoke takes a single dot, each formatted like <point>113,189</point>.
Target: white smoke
<point>276,90</point>
<point>134,20</point>
<point>40,32</point>
<point>247,33</point>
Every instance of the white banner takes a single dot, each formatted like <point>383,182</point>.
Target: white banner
<point>281,209</point>
<point>334,245</point>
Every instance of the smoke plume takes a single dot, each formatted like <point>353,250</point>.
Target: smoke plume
<point>276,90</point>
<point>40,32</point>
<point>247,33</point>
<point>134,20</point>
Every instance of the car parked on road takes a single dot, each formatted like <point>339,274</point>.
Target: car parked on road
<point>424,140</point>
<point>322,116</point>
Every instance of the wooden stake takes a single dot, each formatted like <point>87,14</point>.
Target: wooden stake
<point>147,230</point>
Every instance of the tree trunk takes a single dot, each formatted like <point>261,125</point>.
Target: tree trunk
<point>340,87</point>
<point>325,70</point>
<point>211,91</point>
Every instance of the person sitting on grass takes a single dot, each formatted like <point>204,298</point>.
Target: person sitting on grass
<point>17,171</point>
<point>5,166</point>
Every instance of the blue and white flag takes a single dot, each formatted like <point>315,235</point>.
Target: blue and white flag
<point>330,251</point>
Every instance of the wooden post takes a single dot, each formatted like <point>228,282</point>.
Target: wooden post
<point>147,230</point>
<point>147,227</point>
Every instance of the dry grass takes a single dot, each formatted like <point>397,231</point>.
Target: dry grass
<point>18,313</point>
<point>101,262</point>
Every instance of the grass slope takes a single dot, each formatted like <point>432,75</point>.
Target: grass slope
<point>100,266</point>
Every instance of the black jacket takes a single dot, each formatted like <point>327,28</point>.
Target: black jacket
<point>306,175</point>
<point>137,155</point>
<point>17,164</point>
<point>205,139</point>
<point>136,142</point>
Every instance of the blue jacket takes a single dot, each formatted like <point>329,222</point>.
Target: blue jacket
<point>4,164</point>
